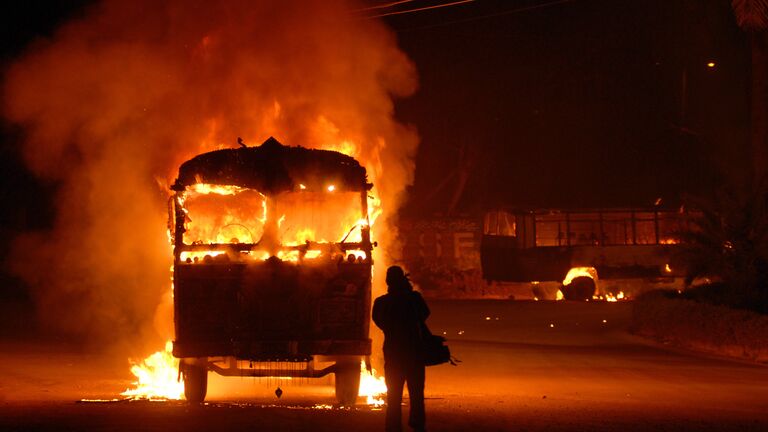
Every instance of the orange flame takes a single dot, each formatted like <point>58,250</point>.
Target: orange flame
<point>157,377</point>
<point>372,387</point>
<point>229,214</point>
<point>575,272</point>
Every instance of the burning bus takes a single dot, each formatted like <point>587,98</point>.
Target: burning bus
<point>272,266</point>
<point>575,246</point>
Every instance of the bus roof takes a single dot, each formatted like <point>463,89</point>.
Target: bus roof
<point>273,168</point>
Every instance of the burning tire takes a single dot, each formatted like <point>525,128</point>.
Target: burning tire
<point>195,382</point>
<point>347,381</point>
<point>581,288</point>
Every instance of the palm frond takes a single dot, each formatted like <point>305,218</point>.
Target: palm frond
<point>751,15</point>
<point>728,241</point>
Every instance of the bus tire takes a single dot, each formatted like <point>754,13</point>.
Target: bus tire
<point>347,376</point>
<point>581,288</point>
<point>195,382</point>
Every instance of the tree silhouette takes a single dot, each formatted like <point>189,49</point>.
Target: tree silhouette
<point>728,243</point>
<point>752,17</point>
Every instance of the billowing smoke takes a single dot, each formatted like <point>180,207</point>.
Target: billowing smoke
<point>117,99</point>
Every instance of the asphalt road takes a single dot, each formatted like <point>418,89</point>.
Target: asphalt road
<point>526,366</point>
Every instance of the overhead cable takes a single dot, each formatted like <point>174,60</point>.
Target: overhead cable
<point>437,6</point>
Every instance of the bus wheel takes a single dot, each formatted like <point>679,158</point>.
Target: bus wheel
<point>347,381</point>
<point>581,288</point>
<point>195,382</point>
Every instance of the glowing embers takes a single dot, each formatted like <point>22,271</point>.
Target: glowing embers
<point>157,377</point>
<point>611,297</point>
<point>221,257</point>
<point>371,387</point>
<point>190,257</point>
<point>296,255</point>
<point>669,241</point>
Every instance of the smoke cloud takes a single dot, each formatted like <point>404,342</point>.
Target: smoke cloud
<point>117,99</point>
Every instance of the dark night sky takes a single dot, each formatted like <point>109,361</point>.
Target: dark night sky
<point>577,103</point>
<point>26,202</point>
<point>572,104</point>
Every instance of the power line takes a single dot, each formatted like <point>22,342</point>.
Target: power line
<point>491,15</point>
<point>438,6</point>
<point>383,6</point>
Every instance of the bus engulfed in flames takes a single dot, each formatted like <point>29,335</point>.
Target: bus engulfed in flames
<point>272,265</point>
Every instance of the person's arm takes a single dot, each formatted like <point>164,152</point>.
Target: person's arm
<point>378,314</point>
<point>422,310</point>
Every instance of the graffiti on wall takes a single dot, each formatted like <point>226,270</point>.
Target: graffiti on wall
<point>443,256</point>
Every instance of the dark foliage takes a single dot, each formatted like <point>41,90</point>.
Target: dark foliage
<point>728,244</point>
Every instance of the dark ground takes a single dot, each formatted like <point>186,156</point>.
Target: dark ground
<point>542,366</point>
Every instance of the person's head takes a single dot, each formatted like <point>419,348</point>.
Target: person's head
<point>397,279</point>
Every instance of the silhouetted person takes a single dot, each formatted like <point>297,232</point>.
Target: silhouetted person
<point>399,313</point>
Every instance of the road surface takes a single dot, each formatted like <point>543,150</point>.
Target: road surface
<point>526,366</point>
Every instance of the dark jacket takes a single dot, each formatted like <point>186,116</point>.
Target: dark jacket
<point>399,314</point>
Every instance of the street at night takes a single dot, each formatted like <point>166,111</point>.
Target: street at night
<point>384,215</point>
<point>517,373</point>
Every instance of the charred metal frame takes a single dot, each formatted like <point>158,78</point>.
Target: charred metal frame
<point>277,169</point>
<point>179,230</point>
<point>233,369</point>
<point>523,258</point>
